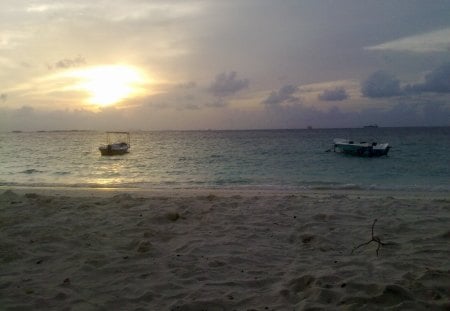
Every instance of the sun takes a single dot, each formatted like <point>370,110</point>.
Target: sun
<point>108,85</point>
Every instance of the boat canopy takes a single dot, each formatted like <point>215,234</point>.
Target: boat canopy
<point>112,135</point>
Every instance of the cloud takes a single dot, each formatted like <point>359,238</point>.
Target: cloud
<point>437,81</point>
<point>11,39</point>
<point>434,41</point>
<point>423,113</point>
<point>380,84</point>
<point>219,103</point>
<point>68,63</point>
<point>190,106</point>
<point>24,111</point>
<point>294,43</point>
<point>3,97</point>
<point>337,94</point>
<point>187,85</point>
<point>406,113</point>
<point>227,84</point>
<point>284,95</point>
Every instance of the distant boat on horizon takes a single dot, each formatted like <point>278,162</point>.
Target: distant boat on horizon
<point>370,126</point>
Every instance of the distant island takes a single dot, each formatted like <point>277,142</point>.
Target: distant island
<point>370,126</point>
<point>51,131</point>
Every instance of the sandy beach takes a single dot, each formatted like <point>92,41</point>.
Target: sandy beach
<point>223,250</point>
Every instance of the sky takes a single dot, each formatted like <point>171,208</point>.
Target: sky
<point>247,64</point>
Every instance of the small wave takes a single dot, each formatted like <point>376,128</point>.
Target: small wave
<point>31,171</point>
<point>5,184</point>
<point>62,173</point>
<point>405,188</point>
<point>337,187</point>
<point>67,185</point>
<point>232,181</point>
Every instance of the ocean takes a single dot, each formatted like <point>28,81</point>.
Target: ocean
<point>255,159</point>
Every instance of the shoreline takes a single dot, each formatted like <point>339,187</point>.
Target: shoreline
<point>186,192</point>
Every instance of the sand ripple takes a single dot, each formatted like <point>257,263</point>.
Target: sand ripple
<point>222,252</point>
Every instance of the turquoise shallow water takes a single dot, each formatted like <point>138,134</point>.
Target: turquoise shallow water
<point>275,159</point>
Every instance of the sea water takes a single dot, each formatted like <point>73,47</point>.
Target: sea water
<point>257,159</point>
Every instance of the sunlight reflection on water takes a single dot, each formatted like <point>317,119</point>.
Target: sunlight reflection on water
<point>294,158</point>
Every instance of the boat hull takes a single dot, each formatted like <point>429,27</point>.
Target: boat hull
<point>361,149</point>
<point>111,150</point>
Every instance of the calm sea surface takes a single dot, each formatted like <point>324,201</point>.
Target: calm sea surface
<point>275,159</point>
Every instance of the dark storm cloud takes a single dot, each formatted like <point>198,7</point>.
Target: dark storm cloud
<point>284,95</point>
<point>227,84</point>
<point>336,94</point>
<point>68,63</point>
<point>437,81</point>
<point>380,84</point>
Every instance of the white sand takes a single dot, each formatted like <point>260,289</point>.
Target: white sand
<point>100,250</point>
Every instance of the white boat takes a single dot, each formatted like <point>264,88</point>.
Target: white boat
<point>115,147</point>
<point>373,149</point>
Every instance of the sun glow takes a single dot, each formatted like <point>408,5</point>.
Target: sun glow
<point>108,85</point>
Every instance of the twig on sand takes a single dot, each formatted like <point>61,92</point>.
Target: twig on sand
<point>374,239</point>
